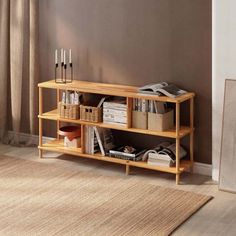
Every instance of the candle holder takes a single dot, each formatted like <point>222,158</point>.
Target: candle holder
<point>63,77</point>
<point>71,74</point>
<point>59,80</point>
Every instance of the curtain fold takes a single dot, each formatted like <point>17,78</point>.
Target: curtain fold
<point>4,63</point>
<point>18,67</point>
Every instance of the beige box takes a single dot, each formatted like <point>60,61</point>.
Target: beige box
<point>75,143</point>
<point>139,120</point>
<point>161,122</point>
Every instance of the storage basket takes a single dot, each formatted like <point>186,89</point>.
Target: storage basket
<point>69,111</point>
<point>89,113</point>
<point>139,120</point>
<point>161,122</point>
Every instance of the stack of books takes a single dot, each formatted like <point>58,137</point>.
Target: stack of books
<point>115,111</point>
<point>127,153</point>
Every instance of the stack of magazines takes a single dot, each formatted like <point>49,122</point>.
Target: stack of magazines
<point>115,111</point>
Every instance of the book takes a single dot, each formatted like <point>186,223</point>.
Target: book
<point>91,142</point>
<point>98,133</point>
<point>121,152</point>
<point>162,88</point>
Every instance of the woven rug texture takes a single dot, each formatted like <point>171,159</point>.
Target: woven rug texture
<point>38,198</point>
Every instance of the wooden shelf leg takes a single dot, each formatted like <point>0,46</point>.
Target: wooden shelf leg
<point>192,133</point>
<point>127,169</point>
<point>177,160</point>
<point>40,153</point>
<point>177,177</point>
<point>177,142</point>
<point>58,122</point>
<point>40,122</point>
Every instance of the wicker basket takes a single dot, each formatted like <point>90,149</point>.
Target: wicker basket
<point>69,111</point>
<point>89,113</point>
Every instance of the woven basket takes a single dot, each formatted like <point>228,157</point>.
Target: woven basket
<point>69,111</point>
<point>89,113</point>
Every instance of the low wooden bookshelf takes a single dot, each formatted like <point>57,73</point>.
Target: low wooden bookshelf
<point>129,92</point>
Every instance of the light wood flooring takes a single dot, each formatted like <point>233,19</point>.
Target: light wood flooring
<point>218,217</point>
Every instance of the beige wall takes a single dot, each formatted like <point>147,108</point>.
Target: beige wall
<point>135,42</point>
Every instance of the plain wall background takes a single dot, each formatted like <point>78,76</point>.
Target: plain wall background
<point>224,54</point>
<point>134,42</point>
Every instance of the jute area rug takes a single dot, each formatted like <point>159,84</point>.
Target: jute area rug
<point>37,198</point>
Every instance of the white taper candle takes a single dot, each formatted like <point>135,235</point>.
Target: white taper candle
<point>56,61</point>
<point>70,58</point>
<point>62,56</point>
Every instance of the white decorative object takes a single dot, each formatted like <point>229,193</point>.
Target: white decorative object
<point>75,143</point>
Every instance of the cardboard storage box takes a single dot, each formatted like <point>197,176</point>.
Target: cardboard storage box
<point>161,122</point>
<point>139,120</point>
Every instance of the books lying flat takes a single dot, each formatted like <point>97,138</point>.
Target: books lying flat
<point>120,153</point>
<point>115,111</point>
<point>162,88</point>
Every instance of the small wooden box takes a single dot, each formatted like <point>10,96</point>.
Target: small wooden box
<point>69,111</point>
<point>139,120</point>
<point>160,122</point>
<point>75,143</point>
<point>89,113</point>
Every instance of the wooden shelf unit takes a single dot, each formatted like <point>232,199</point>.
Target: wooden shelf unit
<point>129,92</point>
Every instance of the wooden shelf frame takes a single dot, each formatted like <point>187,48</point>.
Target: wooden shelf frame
<point>129,92</point>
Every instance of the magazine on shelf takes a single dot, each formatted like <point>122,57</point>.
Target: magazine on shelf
<point>162,88</point>
<point>163,154</point>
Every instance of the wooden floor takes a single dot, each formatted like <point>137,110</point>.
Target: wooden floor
<point>218,217</point>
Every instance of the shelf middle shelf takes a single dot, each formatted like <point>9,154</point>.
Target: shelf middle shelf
<point>184,130</point>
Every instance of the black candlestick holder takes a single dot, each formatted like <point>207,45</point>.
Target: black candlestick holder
<point>61,79</point>
<point>71,73</point>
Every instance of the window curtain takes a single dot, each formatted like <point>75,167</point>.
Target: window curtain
<point>19,70</point>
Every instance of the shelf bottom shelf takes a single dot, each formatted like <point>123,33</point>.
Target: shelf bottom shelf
<point>57,146</point>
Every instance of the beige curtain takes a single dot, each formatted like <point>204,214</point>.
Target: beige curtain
<point>18,67</point>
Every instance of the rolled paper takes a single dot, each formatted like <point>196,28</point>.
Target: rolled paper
<point>62,56</point>
<point>70,59</point>
<point>56,57</point>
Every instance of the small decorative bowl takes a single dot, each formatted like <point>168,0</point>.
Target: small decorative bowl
<point>70,132</point>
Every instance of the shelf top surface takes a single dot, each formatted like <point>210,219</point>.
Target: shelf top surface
<point>111,89</point>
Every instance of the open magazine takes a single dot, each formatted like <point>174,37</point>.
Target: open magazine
<point>162,88</point>
<point>165,151</point>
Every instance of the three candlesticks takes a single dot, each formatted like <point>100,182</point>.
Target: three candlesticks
<point>64,76</point>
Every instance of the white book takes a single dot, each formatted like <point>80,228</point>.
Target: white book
<point>114,123</point>
<point>114,112</point>
<point>97,133</point>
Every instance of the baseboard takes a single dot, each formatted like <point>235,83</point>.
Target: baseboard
<point>202,168</point>
<point>198,168</point>
<point>23,137</point>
